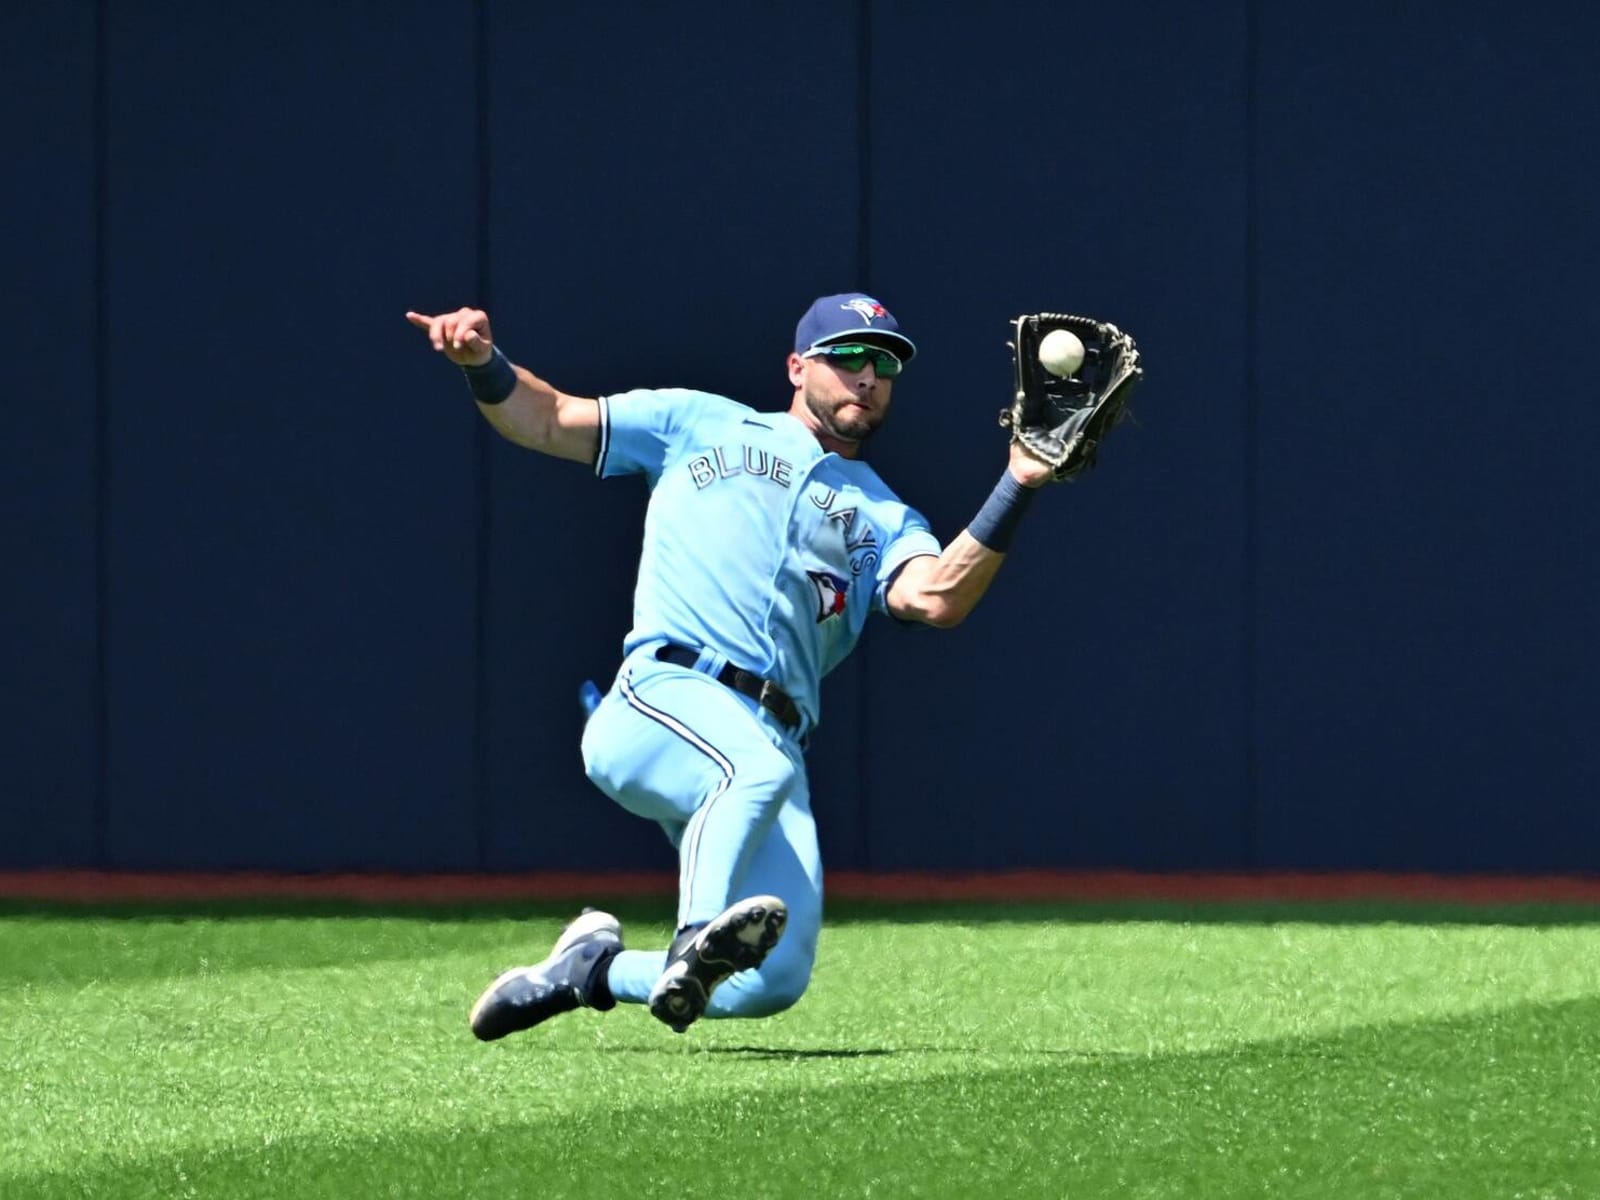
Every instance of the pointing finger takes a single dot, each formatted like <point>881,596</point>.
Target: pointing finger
<point>430,324</point>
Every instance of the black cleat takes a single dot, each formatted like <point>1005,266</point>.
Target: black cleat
<point>524,996</point>
<point>700,959</point>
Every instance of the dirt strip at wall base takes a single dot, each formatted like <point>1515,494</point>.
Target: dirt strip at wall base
<point>143,887</point>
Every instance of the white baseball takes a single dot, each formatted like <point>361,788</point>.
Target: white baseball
<point>1060,352</point>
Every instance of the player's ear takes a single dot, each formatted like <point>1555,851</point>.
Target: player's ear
<point>797,367</point>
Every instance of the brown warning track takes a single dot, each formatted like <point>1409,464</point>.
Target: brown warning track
<point>131,887</point>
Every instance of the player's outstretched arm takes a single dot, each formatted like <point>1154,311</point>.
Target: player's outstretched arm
<point>942,591</point>
<point>521,406</point>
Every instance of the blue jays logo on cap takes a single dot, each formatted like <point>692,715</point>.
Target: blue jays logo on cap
<point>852,317</point>
<point>867,308</point>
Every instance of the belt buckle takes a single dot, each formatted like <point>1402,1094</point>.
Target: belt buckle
<point>769,690</point>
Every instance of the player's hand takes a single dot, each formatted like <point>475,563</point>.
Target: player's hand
<point>1028,470</point>
<point>463,336</point>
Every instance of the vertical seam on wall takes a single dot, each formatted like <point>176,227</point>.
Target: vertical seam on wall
<point>100,120</point>
<point>864,275</point>
<point>1252,499</point>
<point>482,463</point>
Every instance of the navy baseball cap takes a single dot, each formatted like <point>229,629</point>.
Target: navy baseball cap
<point>851,317</point>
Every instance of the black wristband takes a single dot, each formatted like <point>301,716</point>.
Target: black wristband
<point>492,382</point>
<point>997,521</point>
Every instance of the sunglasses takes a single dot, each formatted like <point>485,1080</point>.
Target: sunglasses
<point>852,357</point>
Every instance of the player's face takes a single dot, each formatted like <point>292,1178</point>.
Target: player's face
<point>846,405</point>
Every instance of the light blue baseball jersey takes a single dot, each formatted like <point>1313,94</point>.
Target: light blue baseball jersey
<point>758,543</point>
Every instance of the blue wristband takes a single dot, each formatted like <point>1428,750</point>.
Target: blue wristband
<point>997,520</point>
<point>492,382</point>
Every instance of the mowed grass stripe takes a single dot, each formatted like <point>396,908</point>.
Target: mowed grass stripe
<point>1492,1106</point>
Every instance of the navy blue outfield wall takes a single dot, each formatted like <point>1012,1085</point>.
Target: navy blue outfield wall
<point>274,598</point>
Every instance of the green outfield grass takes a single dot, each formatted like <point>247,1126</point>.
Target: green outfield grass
<point>997,1052</point>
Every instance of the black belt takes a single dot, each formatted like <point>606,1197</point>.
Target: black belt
<point>763,691</point>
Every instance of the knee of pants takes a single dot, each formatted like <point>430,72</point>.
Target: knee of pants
<point>784,977</point>
<point>768,774</point>
<point>782,981</point>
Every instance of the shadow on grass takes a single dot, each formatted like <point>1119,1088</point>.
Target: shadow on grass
<point>757,1053</point>
<point>779,1054</point>
<point>1494,1105</point>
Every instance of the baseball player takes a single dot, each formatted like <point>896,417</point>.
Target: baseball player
<point>768,542</point>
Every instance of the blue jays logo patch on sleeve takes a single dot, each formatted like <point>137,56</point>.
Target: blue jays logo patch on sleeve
<point>831,592</point>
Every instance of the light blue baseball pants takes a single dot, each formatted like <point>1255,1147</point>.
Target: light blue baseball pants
<point>727,783</point>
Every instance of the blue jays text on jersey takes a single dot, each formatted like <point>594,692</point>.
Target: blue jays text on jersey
<point>758,543</point>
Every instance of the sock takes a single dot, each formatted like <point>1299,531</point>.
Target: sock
<point>597,994</point>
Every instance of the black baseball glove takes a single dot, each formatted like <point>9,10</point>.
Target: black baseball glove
<point>1062,419</point>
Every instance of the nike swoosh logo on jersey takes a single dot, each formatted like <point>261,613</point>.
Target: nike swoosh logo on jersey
<point>757,424</point>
